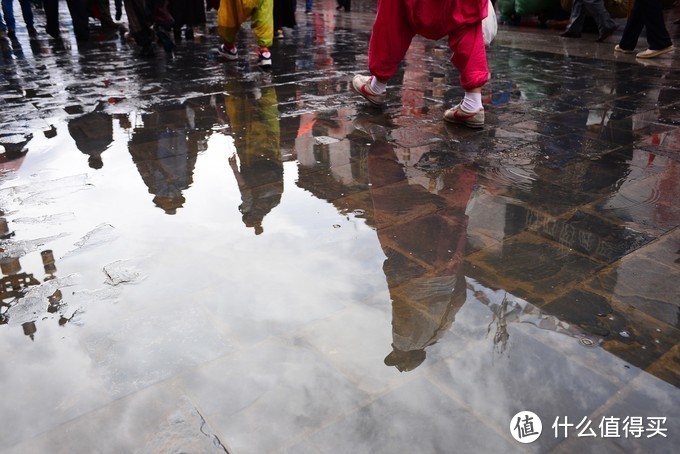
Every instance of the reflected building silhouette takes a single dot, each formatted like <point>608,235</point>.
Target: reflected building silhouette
<point>93,135</point>
<point>165,148</point>
<point>257,164</point>
<point>15,283</point>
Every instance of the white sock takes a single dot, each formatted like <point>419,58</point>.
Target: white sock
<point>472,102</point>
<point>379,87</point>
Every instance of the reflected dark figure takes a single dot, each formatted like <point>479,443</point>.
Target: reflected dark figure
<point>422,231</point>
<point>188,14</point>
<point>346,4</point>
<point>79,15</point>
<point>259,172</point>
<point>165,151</point>
<point>93,134</point>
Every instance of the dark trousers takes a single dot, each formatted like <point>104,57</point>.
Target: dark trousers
<point>79,16</point>
<point>347,4</point>
<point>646,14</point>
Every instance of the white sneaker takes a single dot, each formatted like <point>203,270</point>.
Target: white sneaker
<point>470,119</point>
<point>264,57</point>
<point>362,85</point>
<point>230,53</point>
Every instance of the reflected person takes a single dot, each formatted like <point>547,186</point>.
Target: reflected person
<point>165,156</point>
<point>421,224</point>
<point>257,163</point>
<point>93,134</point>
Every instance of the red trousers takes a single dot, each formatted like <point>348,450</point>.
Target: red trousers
<point>398,21</point>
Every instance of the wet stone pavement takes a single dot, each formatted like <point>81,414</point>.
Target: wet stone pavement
<point>202,256</point>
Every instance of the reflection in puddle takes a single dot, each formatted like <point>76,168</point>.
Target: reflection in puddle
<point>310,272</point>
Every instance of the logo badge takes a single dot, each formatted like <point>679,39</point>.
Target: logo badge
<point>526,427</point>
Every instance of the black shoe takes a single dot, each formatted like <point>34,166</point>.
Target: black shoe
<point>606,34</point>
<point>570,35</point>
<point>165,41</point>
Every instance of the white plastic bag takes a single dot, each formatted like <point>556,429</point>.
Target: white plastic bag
<point>490,25</point>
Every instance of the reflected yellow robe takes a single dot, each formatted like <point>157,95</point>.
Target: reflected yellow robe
<point>233,13</point>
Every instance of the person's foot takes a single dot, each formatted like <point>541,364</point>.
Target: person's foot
<point>264,57</point>
<point>362,85</point>
<point>459,116</point>
<point>189,33</point>
<point>32,32</point>
<point>279,33</point>
<point>227,51</point>
<point>146,51</point>
<point>651,53</point>
<point>165,40</point>
<point>606,34</point>
<point>11,34</point>
<point>620,49</point>
<point>568,34</point>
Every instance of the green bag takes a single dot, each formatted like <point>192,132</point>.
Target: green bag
<point>531,7</point>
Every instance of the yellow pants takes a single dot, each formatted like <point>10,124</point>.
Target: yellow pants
<point>233,13</point>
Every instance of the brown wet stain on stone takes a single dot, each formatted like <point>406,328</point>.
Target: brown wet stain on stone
<point>668,366</point>
<point>649,205</point>
<point>625,331</point>
<point>648,280</point>
<point>593,236</point>
<point>531,267</point>
<point>415,136</point>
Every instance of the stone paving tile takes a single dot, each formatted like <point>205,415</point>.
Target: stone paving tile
<point>73,389</point>
<point>634,401</point>
<point>593,236</point>
<point>134,354</point>
<point>647,205</point>
<point>280,388</point>
<point>666,367</point>
<point>625,331</point>
<point>158,419</point>
<point>550,271</point>
<point>497,387</point>
<point>647,280</point>
<point>401,421</point>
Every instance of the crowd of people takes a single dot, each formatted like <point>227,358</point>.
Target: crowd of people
<point>397,22</point>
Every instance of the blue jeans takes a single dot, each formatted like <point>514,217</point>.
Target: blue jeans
<point>596,9</point>
<point>308,5</point>
<point>8,11</point>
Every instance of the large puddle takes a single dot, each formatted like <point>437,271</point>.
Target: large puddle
<point>217,257</point>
